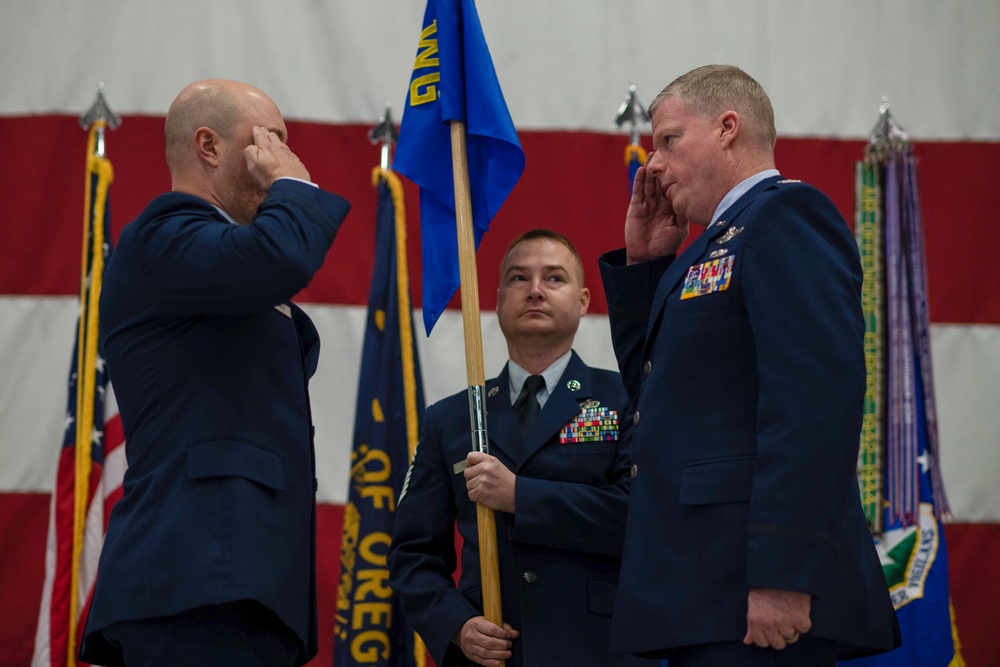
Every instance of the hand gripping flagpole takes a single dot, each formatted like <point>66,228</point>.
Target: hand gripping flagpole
<point>98,117</point>
<point>489,563</point>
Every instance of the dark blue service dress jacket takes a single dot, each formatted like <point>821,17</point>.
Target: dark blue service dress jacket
<point>210,365</point>
<point>559,552</point>
<point>743,357</point>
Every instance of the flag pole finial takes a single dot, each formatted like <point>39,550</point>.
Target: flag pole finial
<point>887,133</point>
<point>632,112</point>
<point>100,111</point>
<point>386,134</point>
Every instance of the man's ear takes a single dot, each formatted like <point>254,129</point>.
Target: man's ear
<point>729,127</point>
<point>584,301</point>
<point>206,143</point>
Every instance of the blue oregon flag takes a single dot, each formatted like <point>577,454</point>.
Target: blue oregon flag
<point>453,79</point>
<point>369,626</point>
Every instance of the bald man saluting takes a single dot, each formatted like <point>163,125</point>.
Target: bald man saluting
<point>209,557</point>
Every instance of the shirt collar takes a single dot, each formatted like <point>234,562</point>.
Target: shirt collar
<point>741,189</point>
<point>225,215</point>
<point>518,375</point>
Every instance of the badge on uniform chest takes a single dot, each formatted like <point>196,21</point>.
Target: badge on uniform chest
<point>708,277</point>
<point>593,424</point>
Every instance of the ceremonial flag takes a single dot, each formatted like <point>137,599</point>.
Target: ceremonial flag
<point>898,466</point>
<point>635,157</point>
<point>454,80</point>
<point>92,459</point>
<point>632,112</point>
<point>369,626</point>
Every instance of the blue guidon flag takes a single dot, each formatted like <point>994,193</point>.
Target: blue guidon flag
<point>454,80</point>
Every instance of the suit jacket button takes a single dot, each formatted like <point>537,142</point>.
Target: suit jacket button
<point>530,577</point>
<point>647,367</point>
<point>634,471</point>
<point>635,418</point>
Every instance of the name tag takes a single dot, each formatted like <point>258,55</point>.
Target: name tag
<point>708,277</point>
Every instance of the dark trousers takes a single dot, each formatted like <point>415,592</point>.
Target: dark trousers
<point>244,634</point>
<point>806,652</point>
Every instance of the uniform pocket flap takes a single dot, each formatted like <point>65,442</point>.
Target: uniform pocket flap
<point>233,458</point>
<point>718,481</point>
<point>601,596</point>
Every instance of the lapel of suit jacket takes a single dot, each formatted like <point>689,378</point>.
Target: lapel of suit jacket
<point>308,338</point>
<point>562,406</point>
<point>679,267</point>
<point>501,425</point>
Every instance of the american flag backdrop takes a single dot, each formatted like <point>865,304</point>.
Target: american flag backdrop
<point>91,464</point>
<point>565,66</point>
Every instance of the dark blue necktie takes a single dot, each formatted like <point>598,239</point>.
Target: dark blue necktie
<point>526,406</point>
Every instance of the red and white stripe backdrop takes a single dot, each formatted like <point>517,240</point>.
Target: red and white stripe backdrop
<point>565,66</point>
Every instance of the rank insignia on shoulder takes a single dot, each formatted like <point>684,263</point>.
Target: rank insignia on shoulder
<point>789,180</point>
<point>594,424</point>
<point>729,235</point>
<point>708,277</point>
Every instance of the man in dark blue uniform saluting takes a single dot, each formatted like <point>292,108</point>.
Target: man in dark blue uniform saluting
<point>210,555</point>
<point>746,542</point>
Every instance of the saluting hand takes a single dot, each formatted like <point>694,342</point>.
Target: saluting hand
<point>269,159</point>
<point>489,482</point>
<point>652,228</point>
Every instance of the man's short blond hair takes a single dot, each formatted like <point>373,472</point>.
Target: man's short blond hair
<point>711,90</point>
<point>550,235</point>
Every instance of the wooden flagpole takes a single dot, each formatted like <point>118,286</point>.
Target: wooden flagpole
<point>489,564</point>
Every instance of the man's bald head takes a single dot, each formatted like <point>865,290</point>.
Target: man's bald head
<point>218,104</point>
<point>208,130</point>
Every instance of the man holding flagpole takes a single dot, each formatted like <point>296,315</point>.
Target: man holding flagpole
<point>209,557</point>
<point>743,356</point>
<point>557,476</point>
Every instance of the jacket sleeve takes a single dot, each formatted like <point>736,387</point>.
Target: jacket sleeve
<point>422,552</point>
<point>802,282</point>
<point>630,291</point>
<point>190,261</point>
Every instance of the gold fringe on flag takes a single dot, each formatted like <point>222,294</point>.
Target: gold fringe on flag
<point>868,231</point>
<point>405,318</point>
<point>406,340</point>
<point>91,274</point>
<point>634,152</point>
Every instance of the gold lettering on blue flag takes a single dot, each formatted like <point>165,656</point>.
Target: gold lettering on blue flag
<point>422,88</point>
